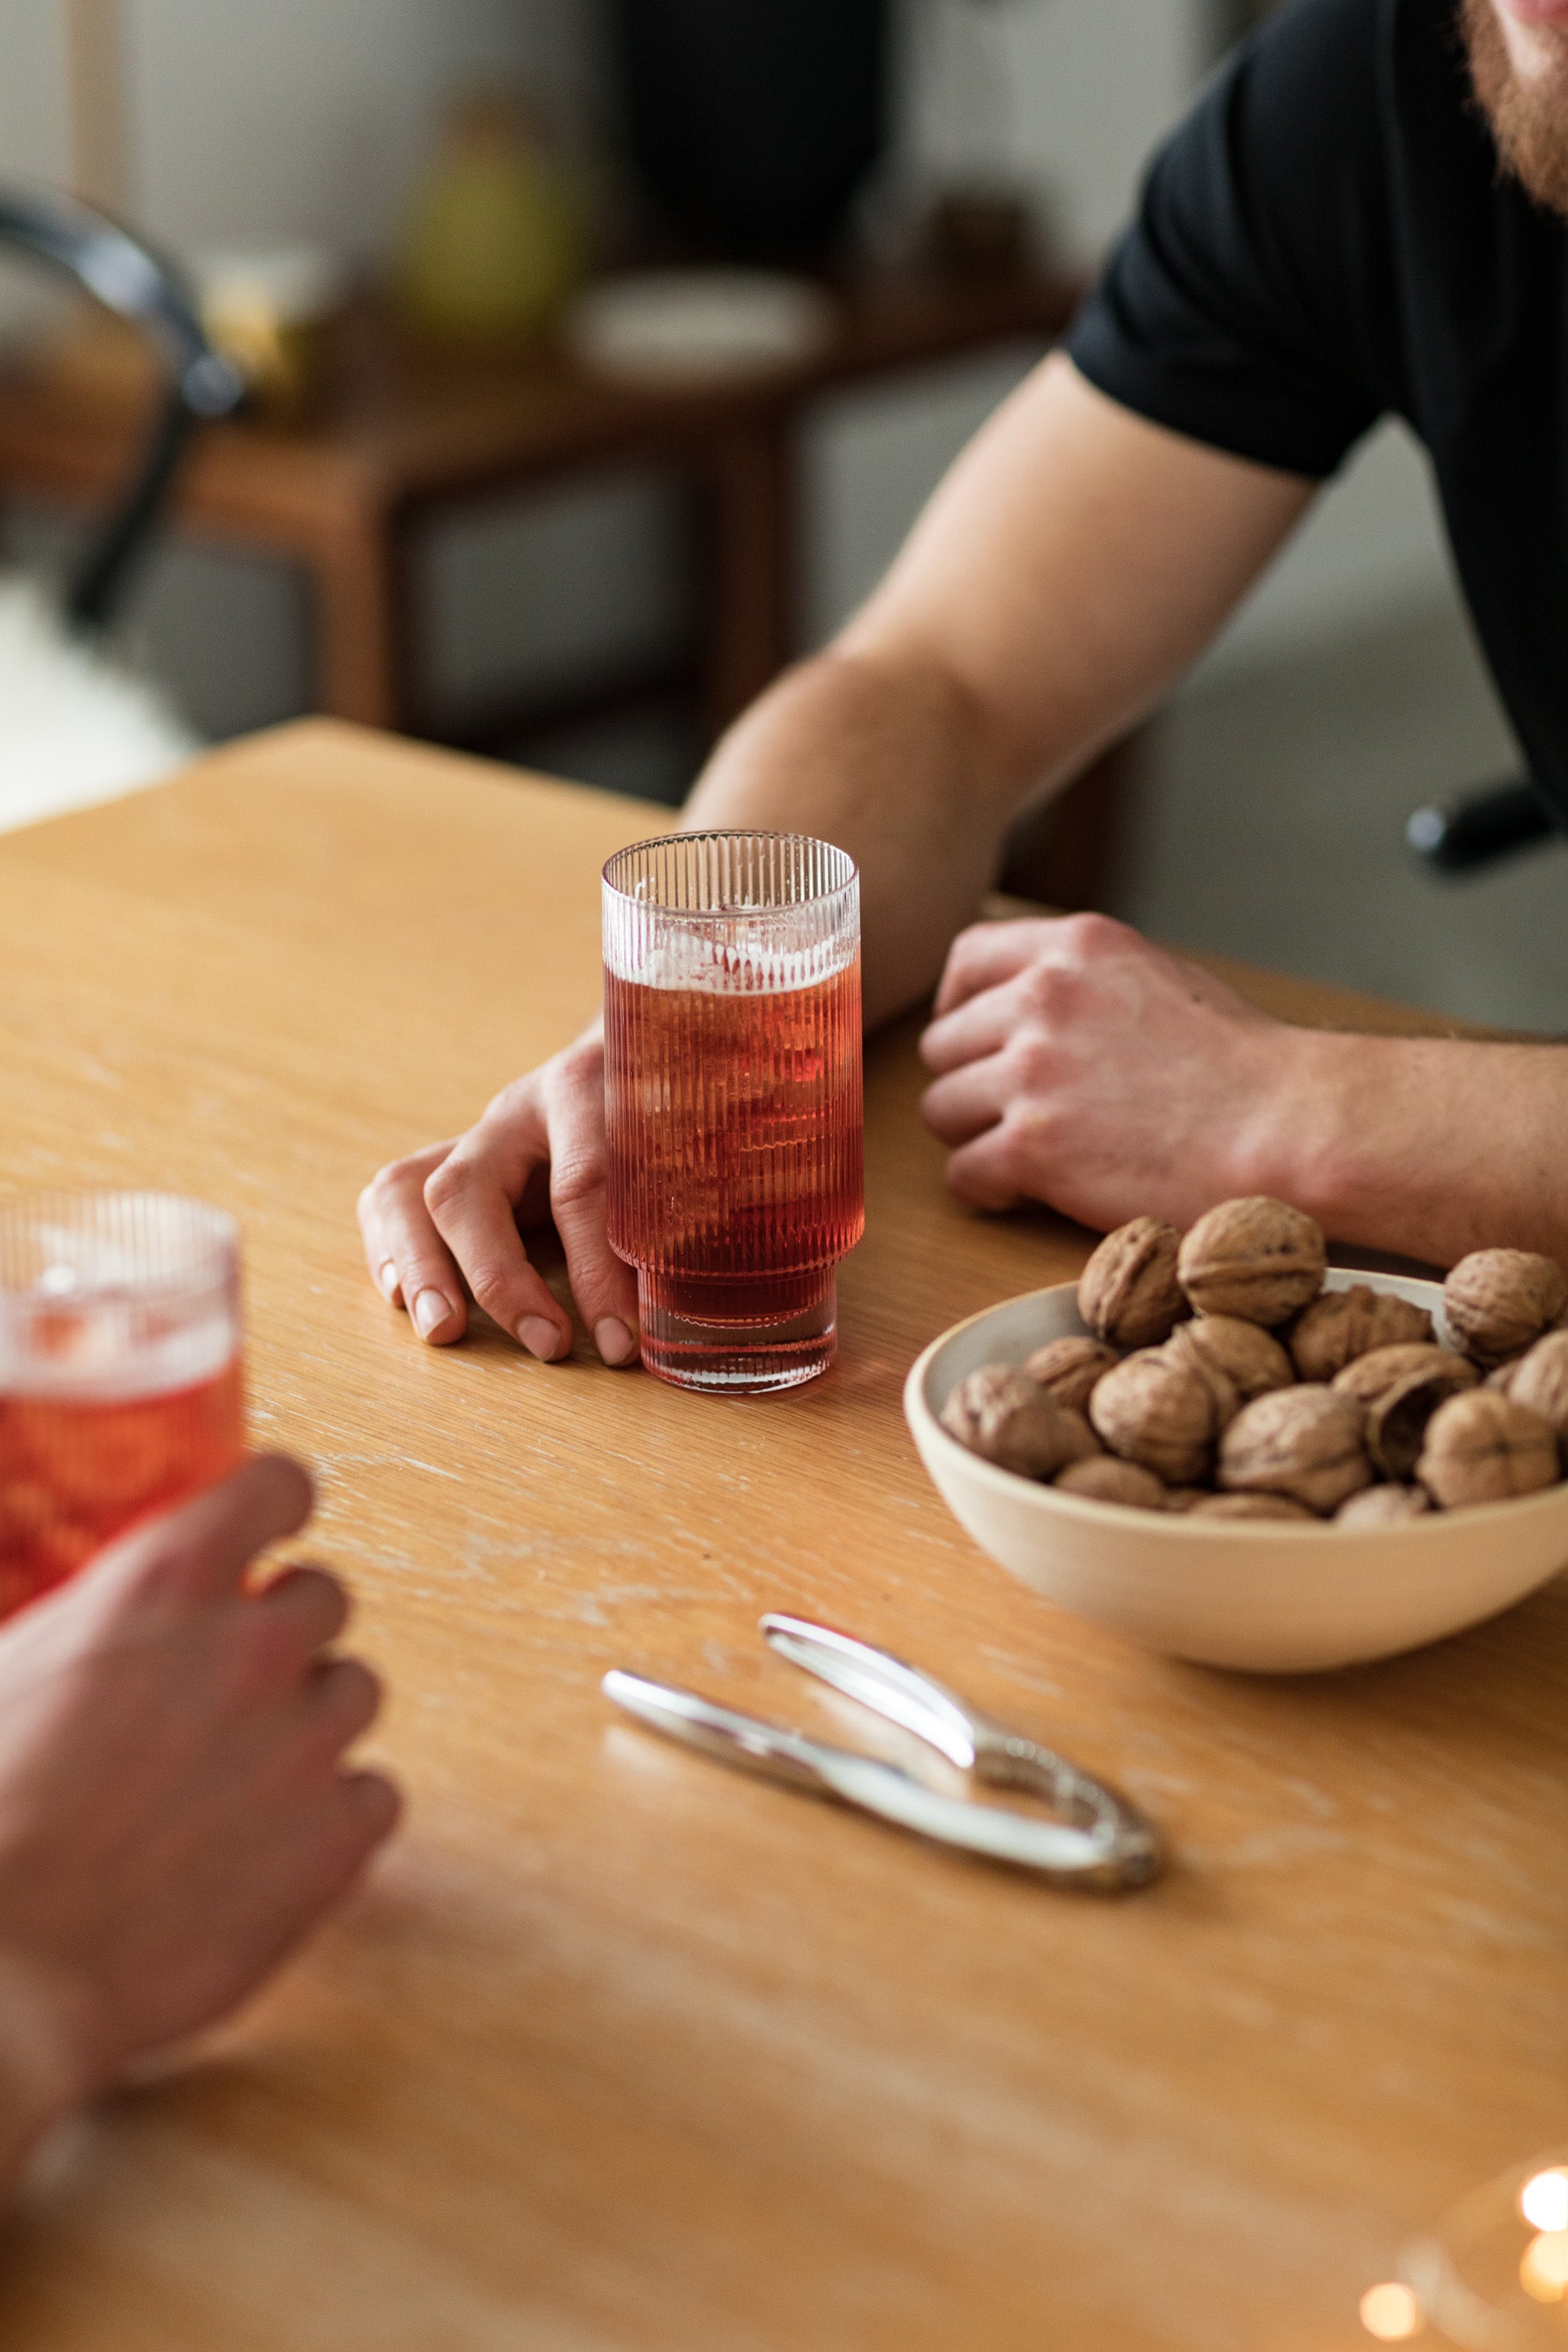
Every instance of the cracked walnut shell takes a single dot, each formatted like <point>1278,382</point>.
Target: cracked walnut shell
<point>1301,1442</point>
<point>1067,1369</point>
<point>1401,1388</point>
<point>1008,1419</point>
<point>1499,1301</point>
<point>1128,1293</point>
<point>1159,1411</point>
<point>1344,1324</point>
<point>1258,1259</point>
<point>1483,1448</point>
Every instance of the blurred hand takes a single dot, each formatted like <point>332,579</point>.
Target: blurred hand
<point>454,1215</point>
<point>1078,1065</point>
<point>174,1811</point>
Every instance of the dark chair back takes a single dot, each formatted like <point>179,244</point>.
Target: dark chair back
<point>1474,830</point>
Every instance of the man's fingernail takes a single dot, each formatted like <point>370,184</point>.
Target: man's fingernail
<point>387,1276</point>
<point>540,1337</point>
<point>614,1341</point>
<point>430,1310</point>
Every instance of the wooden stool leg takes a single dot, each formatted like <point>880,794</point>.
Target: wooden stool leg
<point>748,590</point>
<point>365,635</point>
<point>1065,854</point>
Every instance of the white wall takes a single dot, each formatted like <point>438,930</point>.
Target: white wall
<point>1372,546</point>
<point>303,117</point>
<point>1066,95</point>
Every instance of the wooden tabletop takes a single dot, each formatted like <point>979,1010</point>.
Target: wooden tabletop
<point>620,2052</point>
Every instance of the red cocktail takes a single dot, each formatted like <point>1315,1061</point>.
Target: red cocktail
<point>732,1072</point>
<point>119,1372</point>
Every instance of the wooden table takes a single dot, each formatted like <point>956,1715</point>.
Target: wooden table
<point>404,437</point>
<point>622,2052</point>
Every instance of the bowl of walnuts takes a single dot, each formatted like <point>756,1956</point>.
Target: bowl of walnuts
<point>1221,1447</point>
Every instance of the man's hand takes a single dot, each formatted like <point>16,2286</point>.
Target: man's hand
<point>174,1811</point>
<point>450,1215</point>
<point>1078,1065</point>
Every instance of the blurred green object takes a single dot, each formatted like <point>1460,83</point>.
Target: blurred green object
<point>497,238</point>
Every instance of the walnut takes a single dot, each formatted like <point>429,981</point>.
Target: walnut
<point>1156,1410</point>
<point>1344,1324</point>
<point>1500,1300</point>
<point>1106,1480</point>
<point>1257,1259</point>
<point>1253,1506</point>
<point>1128,1293</point>
<point>1186,1499</point>
<point>1250,1358</point>
<point>1540,1379</point>
<point>1384,1506</point>
<point>1401,1387</point>
<point>1008,1419</point>
<point>1482,1448</point>
<point>1069,1369</point>
<point>1301,1442</point>
<point>1086,1446</point>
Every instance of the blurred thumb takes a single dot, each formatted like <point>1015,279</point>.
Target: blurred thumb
<point>204,1546</point>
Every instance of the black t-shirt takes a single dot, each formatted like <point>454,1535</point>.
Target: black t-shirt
<point>1327,240</point>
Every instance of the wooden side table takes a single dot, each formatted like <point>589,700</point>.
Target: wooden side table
<point>405,436</point>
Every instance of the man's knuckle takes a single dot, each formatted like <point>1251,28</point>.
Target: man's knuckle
<point>1031,1057</point>
<point>1091,933</point>
<point>577,1177</point>
<point>445,1184</point>
<point>386,1186</point>
<point>491,1287</point>
<point>1047,990</point>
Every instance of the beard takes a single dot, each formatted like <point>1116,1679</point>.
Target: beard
<point>1528,119</point>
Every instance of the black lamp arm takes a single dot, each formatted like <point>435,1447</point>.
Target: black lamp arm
<point>146,292</point>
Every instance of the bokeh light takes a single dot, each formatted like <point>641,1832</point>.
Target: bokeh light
<point>1392,2314</point>
<point>1544,2273</point>
<point>1543,2199</point>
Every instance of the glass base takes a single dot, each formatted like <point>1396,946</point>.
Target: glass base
<point>745,1336</point>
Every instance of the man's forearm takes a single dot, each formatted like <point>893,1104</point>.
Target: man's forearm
<point>890,764</point>
<point>1072,564</point>
<point>1427,1147</point>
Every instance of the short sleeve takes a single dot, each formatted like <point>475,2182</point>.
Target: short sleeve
<point>1250,303</point>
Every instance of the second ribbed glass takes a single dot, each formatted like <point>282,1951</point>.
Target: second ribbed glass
<point>733,1099</point>
<point>119,1371</point>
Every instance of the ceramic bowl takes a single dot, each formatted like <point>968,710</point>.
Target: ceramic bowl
<point>1274,1599</point>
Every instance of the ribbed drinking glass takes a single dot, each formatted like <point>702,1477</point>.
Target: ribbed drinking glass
<point>119,1370</point>
<point>733,1097</point>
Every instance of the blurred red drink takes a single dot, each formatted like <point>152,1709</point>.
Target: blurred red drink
<point>119,1372</point>
<point>733,1101</point>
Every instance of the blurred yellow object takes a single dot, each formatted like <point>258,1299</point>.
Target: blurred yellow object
<point>268,310</point>
<point>497,237</point>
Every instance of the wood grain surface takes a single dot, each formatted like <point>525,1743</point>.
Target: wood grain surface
<point>620,2052</point>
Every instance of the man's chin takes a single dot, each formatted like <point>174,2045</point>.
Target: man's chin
<point>1518,52</point>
